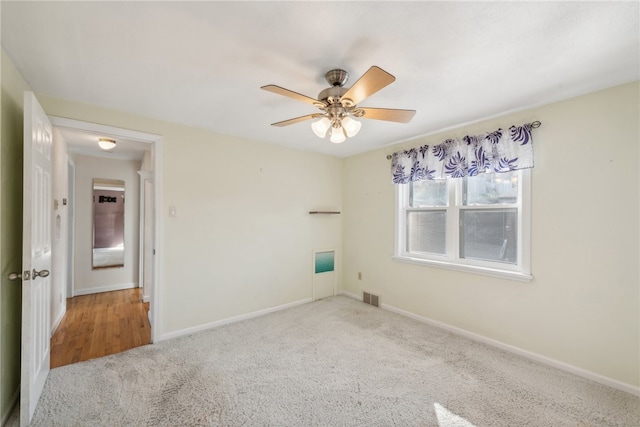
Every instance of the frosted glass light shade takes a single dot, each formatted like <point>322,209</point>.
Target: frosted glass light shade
<point>351,127</point>
<point>321,127</point>
<point>337,135</point>
<point>106,144</point>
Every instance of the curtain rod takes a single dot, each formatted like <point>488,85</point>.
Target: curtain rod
<point>534,125</point>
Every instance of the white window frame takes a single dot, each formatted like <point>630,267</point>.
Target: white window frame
<point>451,259</point>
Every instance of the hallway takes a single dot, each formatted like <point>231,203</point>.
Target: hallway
<point>97,325</point>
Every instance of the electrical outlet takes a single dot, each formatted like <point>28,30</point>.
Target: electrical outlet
<point>359,275</point>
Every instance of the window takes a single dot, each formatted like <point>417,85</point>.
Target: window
<point>479,224</point>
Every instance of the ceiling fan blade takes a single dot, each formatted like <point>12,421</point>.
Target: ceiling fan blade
<point>390,115</point>
<point>291,94</point>
<point>372,81</point>
<point>296,120</point>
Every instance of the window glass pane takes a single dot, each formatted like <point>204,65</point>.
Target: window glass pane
<point>489,235</point>
<point>426,231</point>
<point>432,192</point>
<point>491,189</point>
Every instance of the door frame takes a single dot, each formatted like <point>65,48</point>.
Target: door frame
<point>157,174</point>
<point>145,238</point>
<point>71,225</point>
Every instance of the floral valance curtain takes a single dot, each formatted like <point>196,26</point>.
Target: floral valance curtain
<point>498,151</point>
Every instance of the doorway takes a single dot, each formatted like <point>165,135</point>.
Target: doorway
<point>80,138</point>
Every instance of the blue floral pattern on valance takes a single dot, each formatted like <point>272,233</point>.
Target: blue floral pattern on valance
<point>498,151</point>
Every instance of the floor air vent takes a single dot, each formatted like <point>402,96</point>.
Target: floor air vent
<point>370,298</point>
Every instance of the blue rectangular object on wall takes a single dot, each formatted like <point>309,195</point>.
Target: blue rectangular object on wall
<point>324,262</point>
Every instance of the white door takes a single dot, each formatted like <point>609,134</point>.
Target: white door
<point>36,255</point>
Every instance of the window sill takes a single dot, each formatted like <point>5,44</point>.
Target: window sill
<point>484,271</point>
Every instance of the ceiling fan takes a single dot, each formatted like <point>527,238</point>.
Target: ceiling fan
<point>339,105</point>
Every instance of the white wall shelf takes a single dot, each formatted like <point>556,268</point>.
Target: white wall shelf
<point>324,212</point>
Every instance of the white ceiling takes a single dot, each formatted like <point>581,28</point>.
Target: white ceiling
<point>202,63</point>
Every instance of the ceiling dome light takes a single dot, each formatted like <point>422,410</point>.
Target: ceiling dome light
<point>337,135</point>
<point>321,127</point>
<point>351,127</point>
<point>107,144</point>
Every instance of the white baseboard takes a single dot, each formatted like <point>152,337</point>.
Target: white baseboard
<point>107,288</point>
<point>350,295</point>
<point>146,298</point>
<point>12,405</point>
<point>629,388</point>
<point>56,322</point>
<point>217,323</point>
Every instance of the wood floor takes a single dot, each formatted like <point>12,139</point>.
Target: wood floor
<point>100,324</point>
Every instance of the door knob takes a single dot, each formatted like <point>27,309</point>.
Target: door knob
<point>15,276</point>
<point>24,276</point>
<point>41,273</point>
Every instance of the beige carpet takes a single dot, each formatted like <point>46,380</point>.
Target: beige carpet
<point>334,362</point>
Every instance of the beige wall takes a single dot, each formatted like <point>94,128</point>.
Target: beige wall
<point>582,308</point>
<point>13,88</point>
<point>86,279</point>
<point>242,238</point>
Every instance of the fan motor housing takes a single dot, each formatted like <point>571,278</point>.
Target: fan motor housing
<point>335,92</point>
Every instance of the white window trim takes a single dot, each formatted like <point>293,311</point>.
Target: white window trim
<point>520,271</point>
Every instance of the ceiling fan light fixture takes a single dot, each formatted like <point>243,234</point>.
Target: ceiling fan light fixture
<point>339,104</point>
<point>321,127</point>
<point>338,135</point>
<point>106,144</point>
<point>351,127</point>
